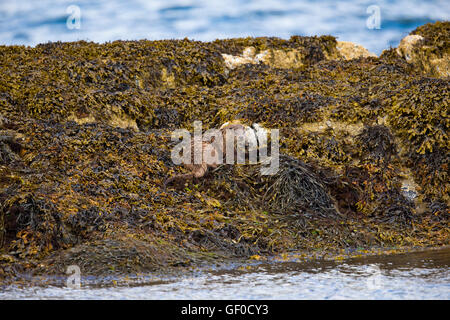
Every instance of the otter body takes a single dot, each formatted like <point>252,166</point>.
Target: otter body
<point>199,170</point>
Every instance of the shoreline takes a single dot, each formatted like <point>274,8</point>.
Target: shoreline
<point>242,265</point>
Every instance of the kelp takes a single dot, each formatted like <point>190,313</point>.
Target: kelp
<point>419,116</point>
<point>426,50</point>
<point>376,144</point>
<point>85,148</point>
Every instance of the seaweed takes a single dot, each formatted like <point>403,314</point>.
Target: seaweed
<point>35,224</point>
<point>419,117</point>
<point>85,149</point>
<point>436,35</point>
<point>377,143</point>
<point>295,188</point>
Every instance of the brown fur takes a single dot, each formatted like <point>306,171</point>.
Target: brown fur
<point>201,169</point>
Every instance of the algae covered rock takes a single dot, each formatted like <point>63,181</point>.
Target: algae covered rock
<point>428,47</point>
<point>85,148</point>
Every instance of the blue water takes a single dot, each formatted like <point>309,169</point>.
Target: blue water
<point>32,22</point>
<point>421,275</point>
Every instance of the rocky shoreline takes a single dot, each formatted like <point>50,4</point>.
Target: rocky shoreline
<point>85,147</point>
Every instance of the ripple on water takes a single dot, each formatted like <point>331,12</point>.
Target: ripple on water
<point>424,275</point>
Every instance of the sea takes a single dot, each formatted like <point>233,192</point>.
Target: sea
<point>375,24</point>
<point>408,276</point>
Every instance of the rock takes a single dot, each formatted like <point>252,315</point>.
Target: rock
<point>279,58</point>
<point>248,56</point>
<point>350,50</point>
<point>117,118</point>
<point>168,78</point>
<point>293,58</point>
<point>272,57</point>
<point>428,49</point>
<point>276,58</point>
<point>409,188</point>
<point>405,49</point>
<point>441,67</point>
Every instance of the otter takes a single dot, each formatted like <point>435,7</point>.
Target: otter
<point>201,169</point>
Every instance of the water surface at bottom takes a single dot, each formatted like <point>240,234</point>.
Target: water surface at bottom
<point>420,275</point>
